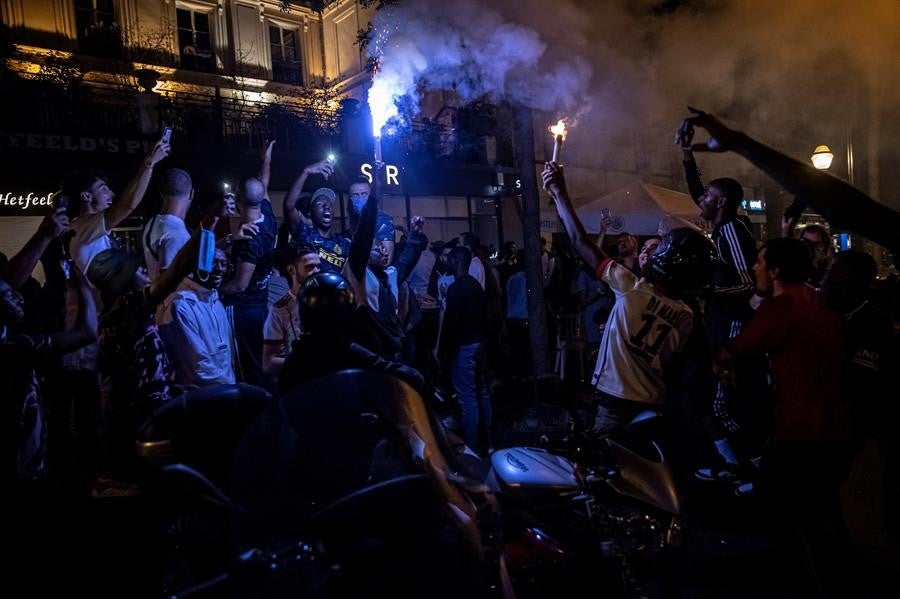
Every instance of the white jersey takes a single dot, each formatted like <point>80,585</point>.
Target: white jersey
<point>645,329</point>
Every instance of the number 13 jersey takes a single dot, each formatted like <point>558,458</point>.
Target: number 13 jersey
<point>645,329</point>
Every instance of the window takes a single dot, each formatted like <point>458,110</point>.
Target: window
<point>194,43</point>
<point>285,57</point>
<point>97,30</point>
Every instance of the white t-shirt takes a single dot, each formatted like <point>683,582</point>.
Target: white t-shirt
<point>476,270</point>
<point>91,238</point>
<point>163,236</point>
<point>283,324</point>
<point>645,329</point>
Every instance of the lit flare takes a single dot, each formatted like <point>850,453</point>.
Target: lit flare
<point>559,136</point>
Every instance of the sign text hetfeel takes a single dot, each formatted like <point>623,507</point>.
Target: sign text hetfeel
<point>24,202</point>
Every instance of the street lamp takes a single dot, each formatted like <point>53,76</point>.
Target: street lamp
<point>822,157</point>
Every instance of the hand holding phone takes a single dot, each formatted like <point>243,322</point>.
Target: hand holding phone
<point>605,217</point>
<point>167,134</point>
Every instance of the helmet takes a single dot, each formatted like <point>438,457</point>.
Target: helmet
<point>684,262</point>
<point>327,303</point>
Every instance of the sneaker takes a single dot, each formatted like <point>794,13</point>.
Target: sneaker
<point>744,490</point>
<point>716,475</point>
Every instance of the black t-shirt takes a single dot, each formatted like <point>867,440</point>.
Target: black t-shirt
<point>258,250</point>
<point>333,250</point>
<point>464,316</point>
<point>870,349</point>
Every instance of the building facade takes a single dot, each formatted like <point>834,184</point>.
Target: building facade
<point>91,83</point>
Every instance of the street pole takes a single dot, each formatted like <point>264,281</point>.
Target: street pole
<point>531,234</point>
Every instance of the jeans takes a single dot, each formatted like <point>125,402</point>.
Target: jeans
<point>614,413</point>
<point>469,377</point>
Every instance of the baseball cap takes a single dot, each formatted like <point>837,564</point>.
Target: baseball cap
<point>324,192</point>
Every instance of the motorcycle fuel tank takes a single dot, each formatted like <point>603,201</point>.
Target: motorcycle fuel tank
<point>528,469</point>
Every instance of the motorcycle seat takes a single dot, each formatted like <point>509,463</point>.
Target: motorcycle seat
<point>644,422</point>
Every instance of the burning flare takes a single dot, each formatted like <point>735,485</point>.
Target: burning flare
<point>559,136</point>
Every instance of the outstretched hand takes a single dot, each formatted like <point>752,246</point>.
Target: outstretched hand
<point>684,135</point>
<point>323,167</point>
<point>721,138</point>
<point>246,231</point>
<point>55,224</point>
<point>553,178</point>
<point>158,152</point>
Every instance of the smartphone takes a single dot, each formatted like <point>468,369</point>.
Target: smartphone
<point>331,158</point>
<point>167,134</point>
<point>604,214</point>
<point>60,201</point>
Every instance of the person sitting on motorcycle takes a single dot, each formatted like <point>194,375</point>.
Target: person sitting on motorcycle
<point>327,306</point>
<point>649,322</point>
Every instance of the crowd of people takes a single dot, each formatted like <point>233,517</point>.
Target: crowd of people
<point>780,346</point>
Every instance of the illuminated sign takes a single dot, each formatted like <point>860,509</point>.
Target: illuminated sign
<point>11,203</point>
<point>391,173</point>
<point>753,205</point>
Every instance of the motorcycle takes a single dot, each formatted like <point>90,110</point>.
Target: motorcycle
<point>602,522</point>
<point>276,463</point>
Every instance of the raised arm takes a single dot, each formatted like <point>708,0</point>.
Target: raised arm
<point>291,213</point>
<point>683,137</point>
<point>241,279</point>
<point>840,203</point>
<point>20,266</point>
<point>363,237</point>
<point>416,242</point>
<point>134,192</point>
<point>265,170</point>
<point>791,217</point>
<point>555,183</point>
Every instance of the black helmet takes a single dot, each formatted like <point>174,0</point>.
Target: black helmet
<point>684,262</point>
<point>327,303</point>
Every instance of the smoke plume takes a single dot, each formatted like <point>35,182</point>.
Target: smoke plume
<point>472,49</point>
<point>793,74</point>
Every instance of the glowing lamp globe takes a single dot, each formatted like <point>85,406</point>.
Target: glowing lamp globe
<point>822,157</point>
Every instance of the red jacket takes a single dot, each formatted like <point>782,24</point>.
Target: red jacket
<point>802,337</point>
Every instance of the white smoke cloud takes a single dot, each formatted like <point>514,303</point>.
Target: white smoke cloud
<point>473,50</point>
<point>793,74</point>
